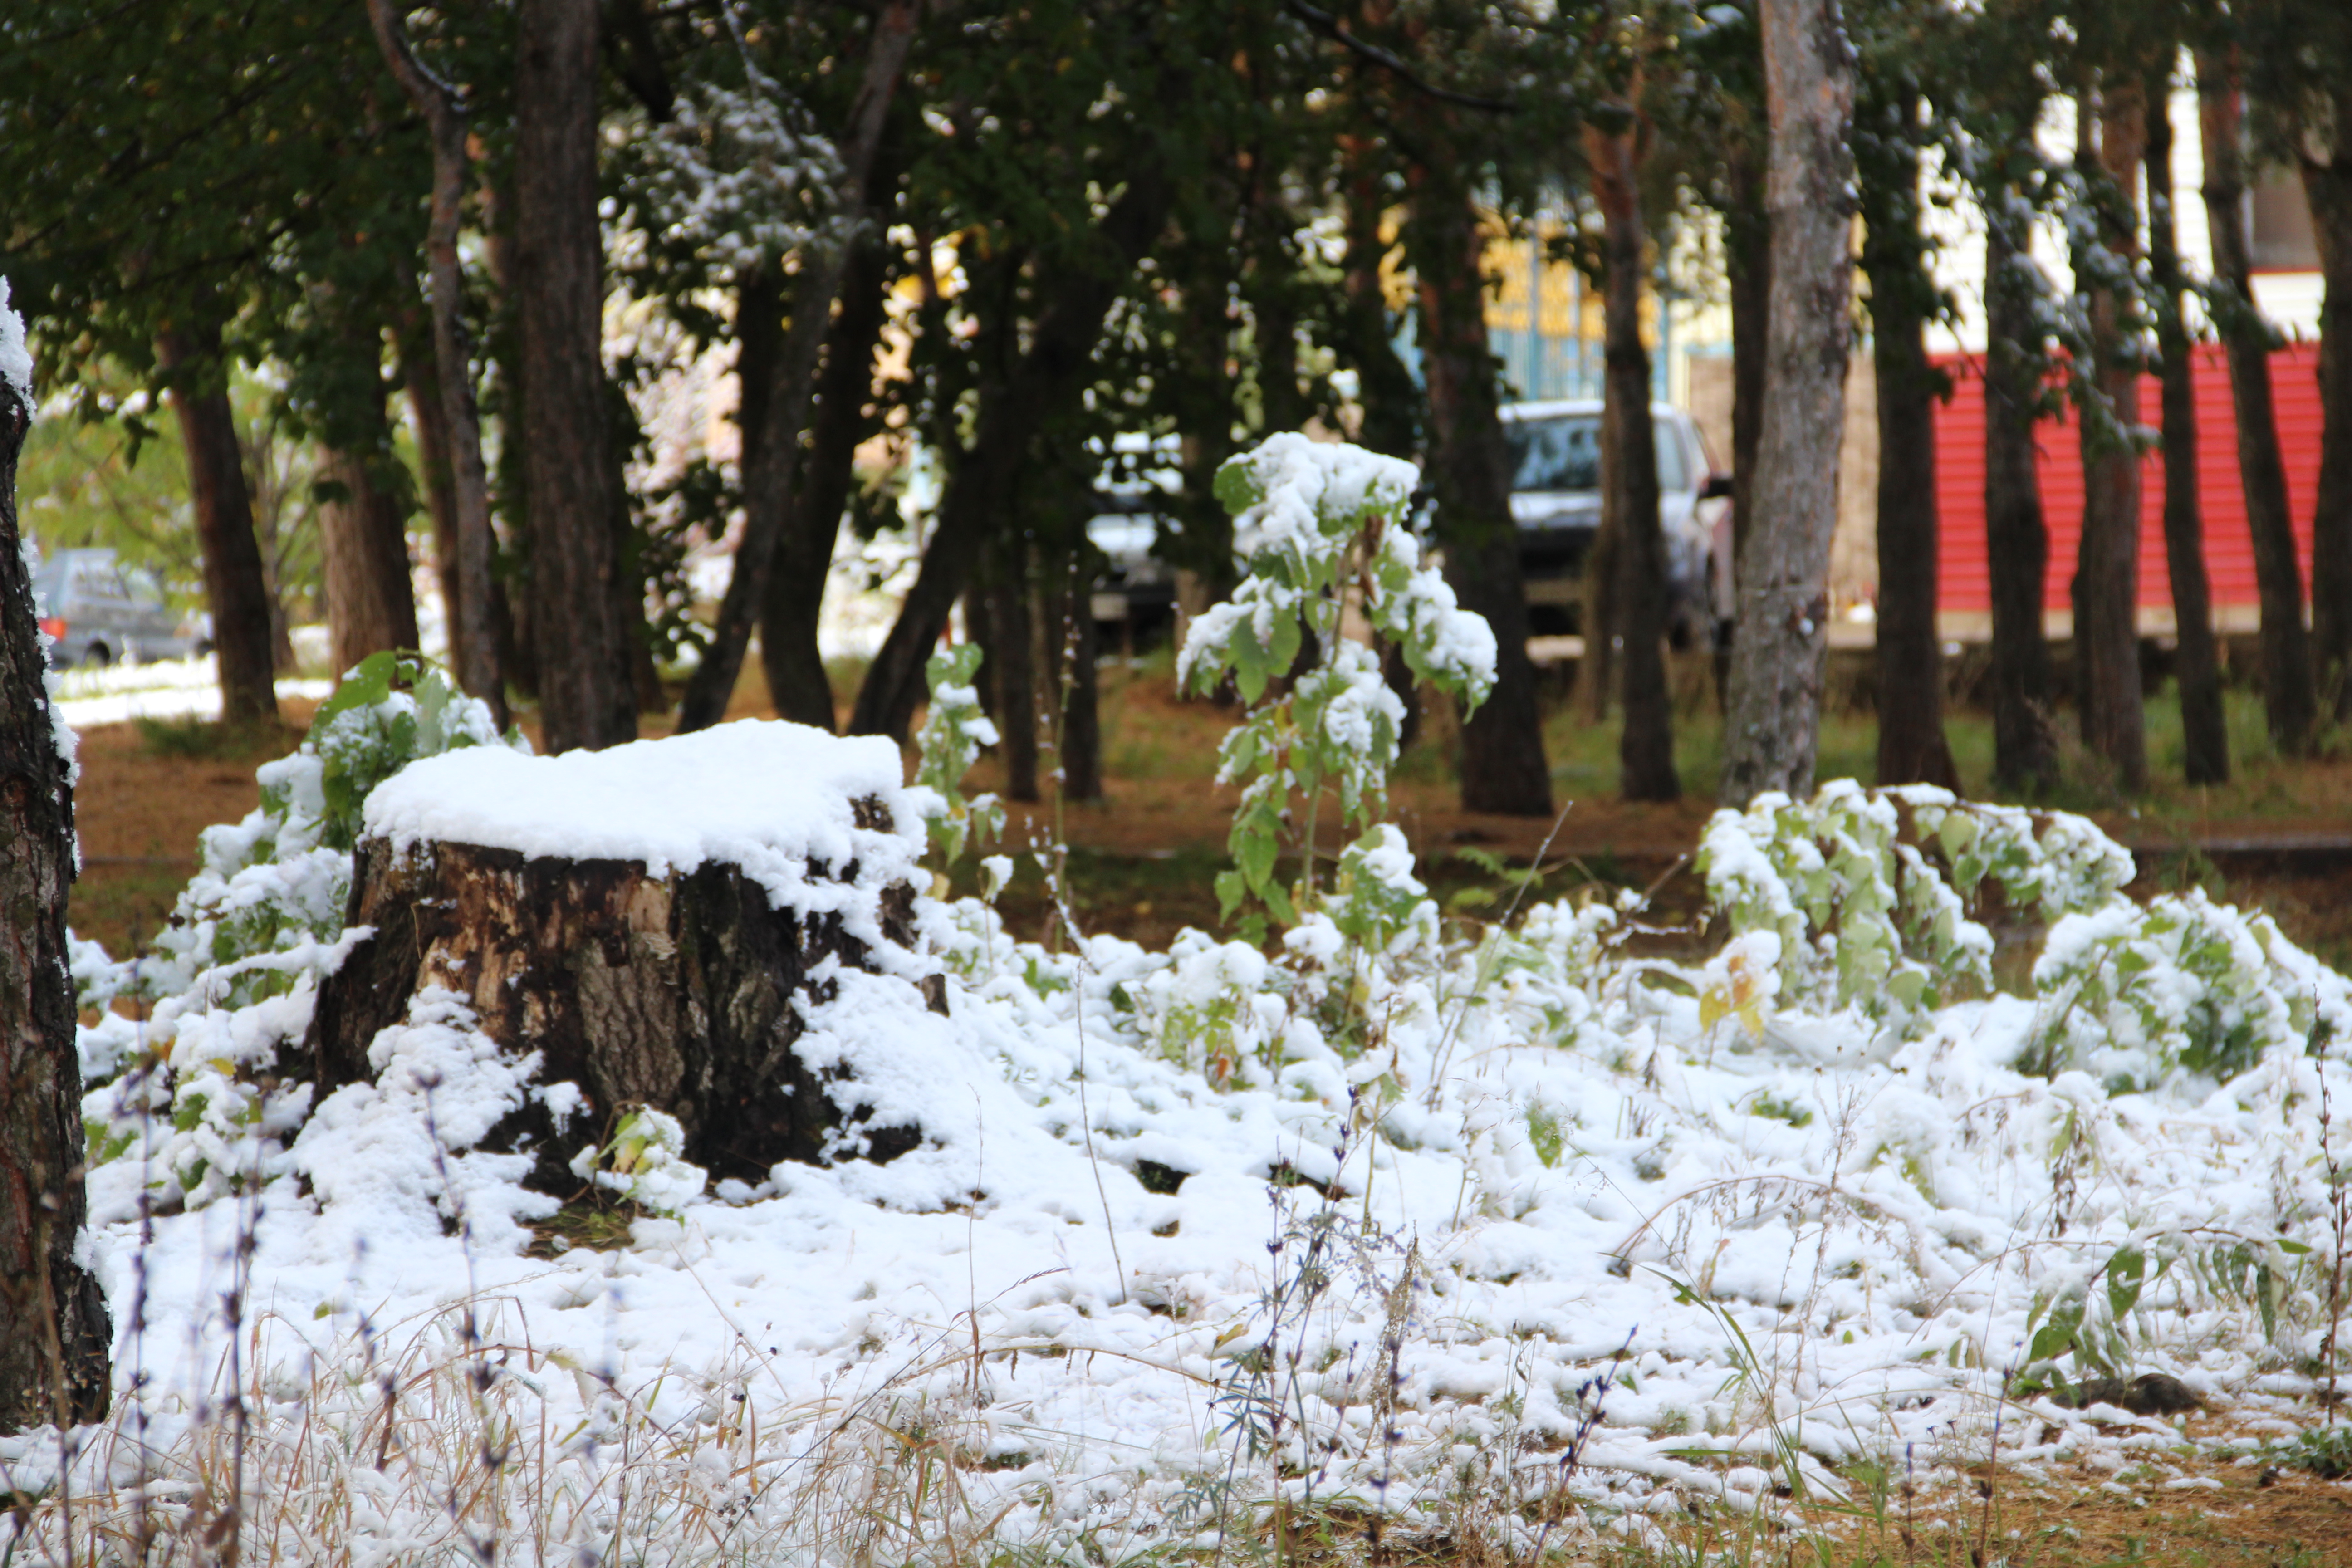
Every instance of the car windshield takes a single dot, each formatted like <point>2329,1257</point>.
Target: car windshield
<point>1563,453</point>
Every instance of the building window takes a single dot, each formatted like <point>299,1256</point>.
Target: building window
<point>2279,224</point>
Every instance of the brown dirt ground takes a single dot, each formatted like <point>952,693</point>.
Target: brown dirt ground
<point>1143,858</point>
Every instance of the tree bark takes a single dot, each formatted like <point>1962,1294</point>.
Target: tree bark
<point>446,414</point>
<point>371,605</point>
<point>797,684</point>
<point>55,1335</point>
<point>2289,702</point>
<point>1748,238</point>
<point>1045,383</point>
<point>2106,567</point>
<point>2327,184</point>
<point>1912,748</point>
<point>680,992</point>
<point>1773,732</point>
<point>586,694</point>
<point>1469,469</point>
<point>1070,636</point>
<point>2017,537</point>
<point>1010,672</point>
<point>2205,737</point>
<point>1629,484</point>
<point>770,480</point>
<point>233,584</point>
<point>421,381</point>
<point>1385,385</point>
<point>1749,231</point>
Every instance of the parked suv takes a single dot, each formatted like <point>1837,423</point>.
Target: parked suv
<point>99,611</point>
<point>1556,502</point>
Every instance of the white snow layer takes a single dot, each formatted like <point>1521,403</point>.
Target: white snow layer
<point>771,797</point>
<point>1534,1167</point>
<point>16,359</point>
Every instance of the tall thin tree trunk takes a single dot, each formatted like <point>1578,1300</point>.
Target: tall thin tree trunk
<point>1011,664</point>
<point>1045,381</point>
<point>1502,767</point>
<point>234,585</point>
<point>586,694</point>
<point>2205,737</point>
<point>1385,385</point>
<point>1628,483</point>
<point>797,684</point>
<point>2289,702</point>
<point>2017,537</point>
<point>1748,235</point>
<point>55,1336</point>
<point>1912,748</point>
<point>770,483</point>
<point>1772,735</point>
<point>2327,184</point>
<point>421,384</point>
<point>2106,569</point>
<point>471,597</point>
<point>1070,639</point>
<point>371,605</point>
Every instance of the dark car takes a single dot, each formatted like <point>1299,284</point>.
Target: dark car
<point>1556,503</point>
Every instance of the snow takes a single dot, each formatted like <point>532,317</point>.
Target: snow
<point>1793,1214</point>
<point>16,359</point>
<point>772,798</point>
<point>167,689</point>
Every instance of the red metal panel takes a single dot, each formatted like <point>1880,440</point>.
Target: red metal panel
<point>1964,584</point>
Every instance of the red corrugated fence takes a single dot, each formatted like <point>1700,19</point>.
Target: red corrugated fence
<point>1964,587</point>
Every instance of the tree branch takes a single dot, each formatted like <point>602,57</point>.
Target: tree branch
<point>1325,23</point>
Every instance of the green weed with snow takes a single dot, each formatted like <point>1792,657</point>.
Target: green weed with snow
<point>1439,1227</point>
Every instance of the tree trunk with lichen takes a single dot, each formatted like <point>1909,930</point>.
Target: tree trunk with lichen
<point>682,993</point>
<point>53,1332</point>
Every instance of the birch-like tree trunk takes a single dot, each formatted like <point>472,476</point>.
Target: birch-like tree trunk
<point>1772,733</point>
<point>2289,702</point>
<point>54,1332</point>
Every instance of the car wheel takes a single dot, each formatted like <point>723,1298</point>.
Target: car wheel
<point>98,656</point>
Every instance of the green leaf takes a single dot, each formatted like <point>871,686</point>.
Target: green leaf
<point>2124,1271</point>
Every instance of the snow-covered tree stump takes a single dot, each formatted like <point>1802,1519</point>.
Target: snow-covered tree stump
<point>655,920</point>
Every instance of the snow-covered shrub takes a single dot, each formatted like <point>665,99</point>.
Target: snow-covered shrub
<point>1872,912</point>
<point>233,978</point>
<point>281,877</point>
<point>2133,993</point>
<point>1316,521</point>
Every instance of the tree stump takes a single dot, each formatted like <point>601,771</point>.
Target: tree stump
<point>669,980</point>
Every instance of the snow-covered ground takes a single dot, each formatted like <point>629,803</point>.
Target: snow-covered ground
<point>167,689</point>
<point>1541,1165</point>
<point>1472,1229</point>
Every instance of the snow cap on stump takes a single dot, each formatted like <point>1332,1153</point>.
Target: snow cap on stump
<point>663,927</point>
